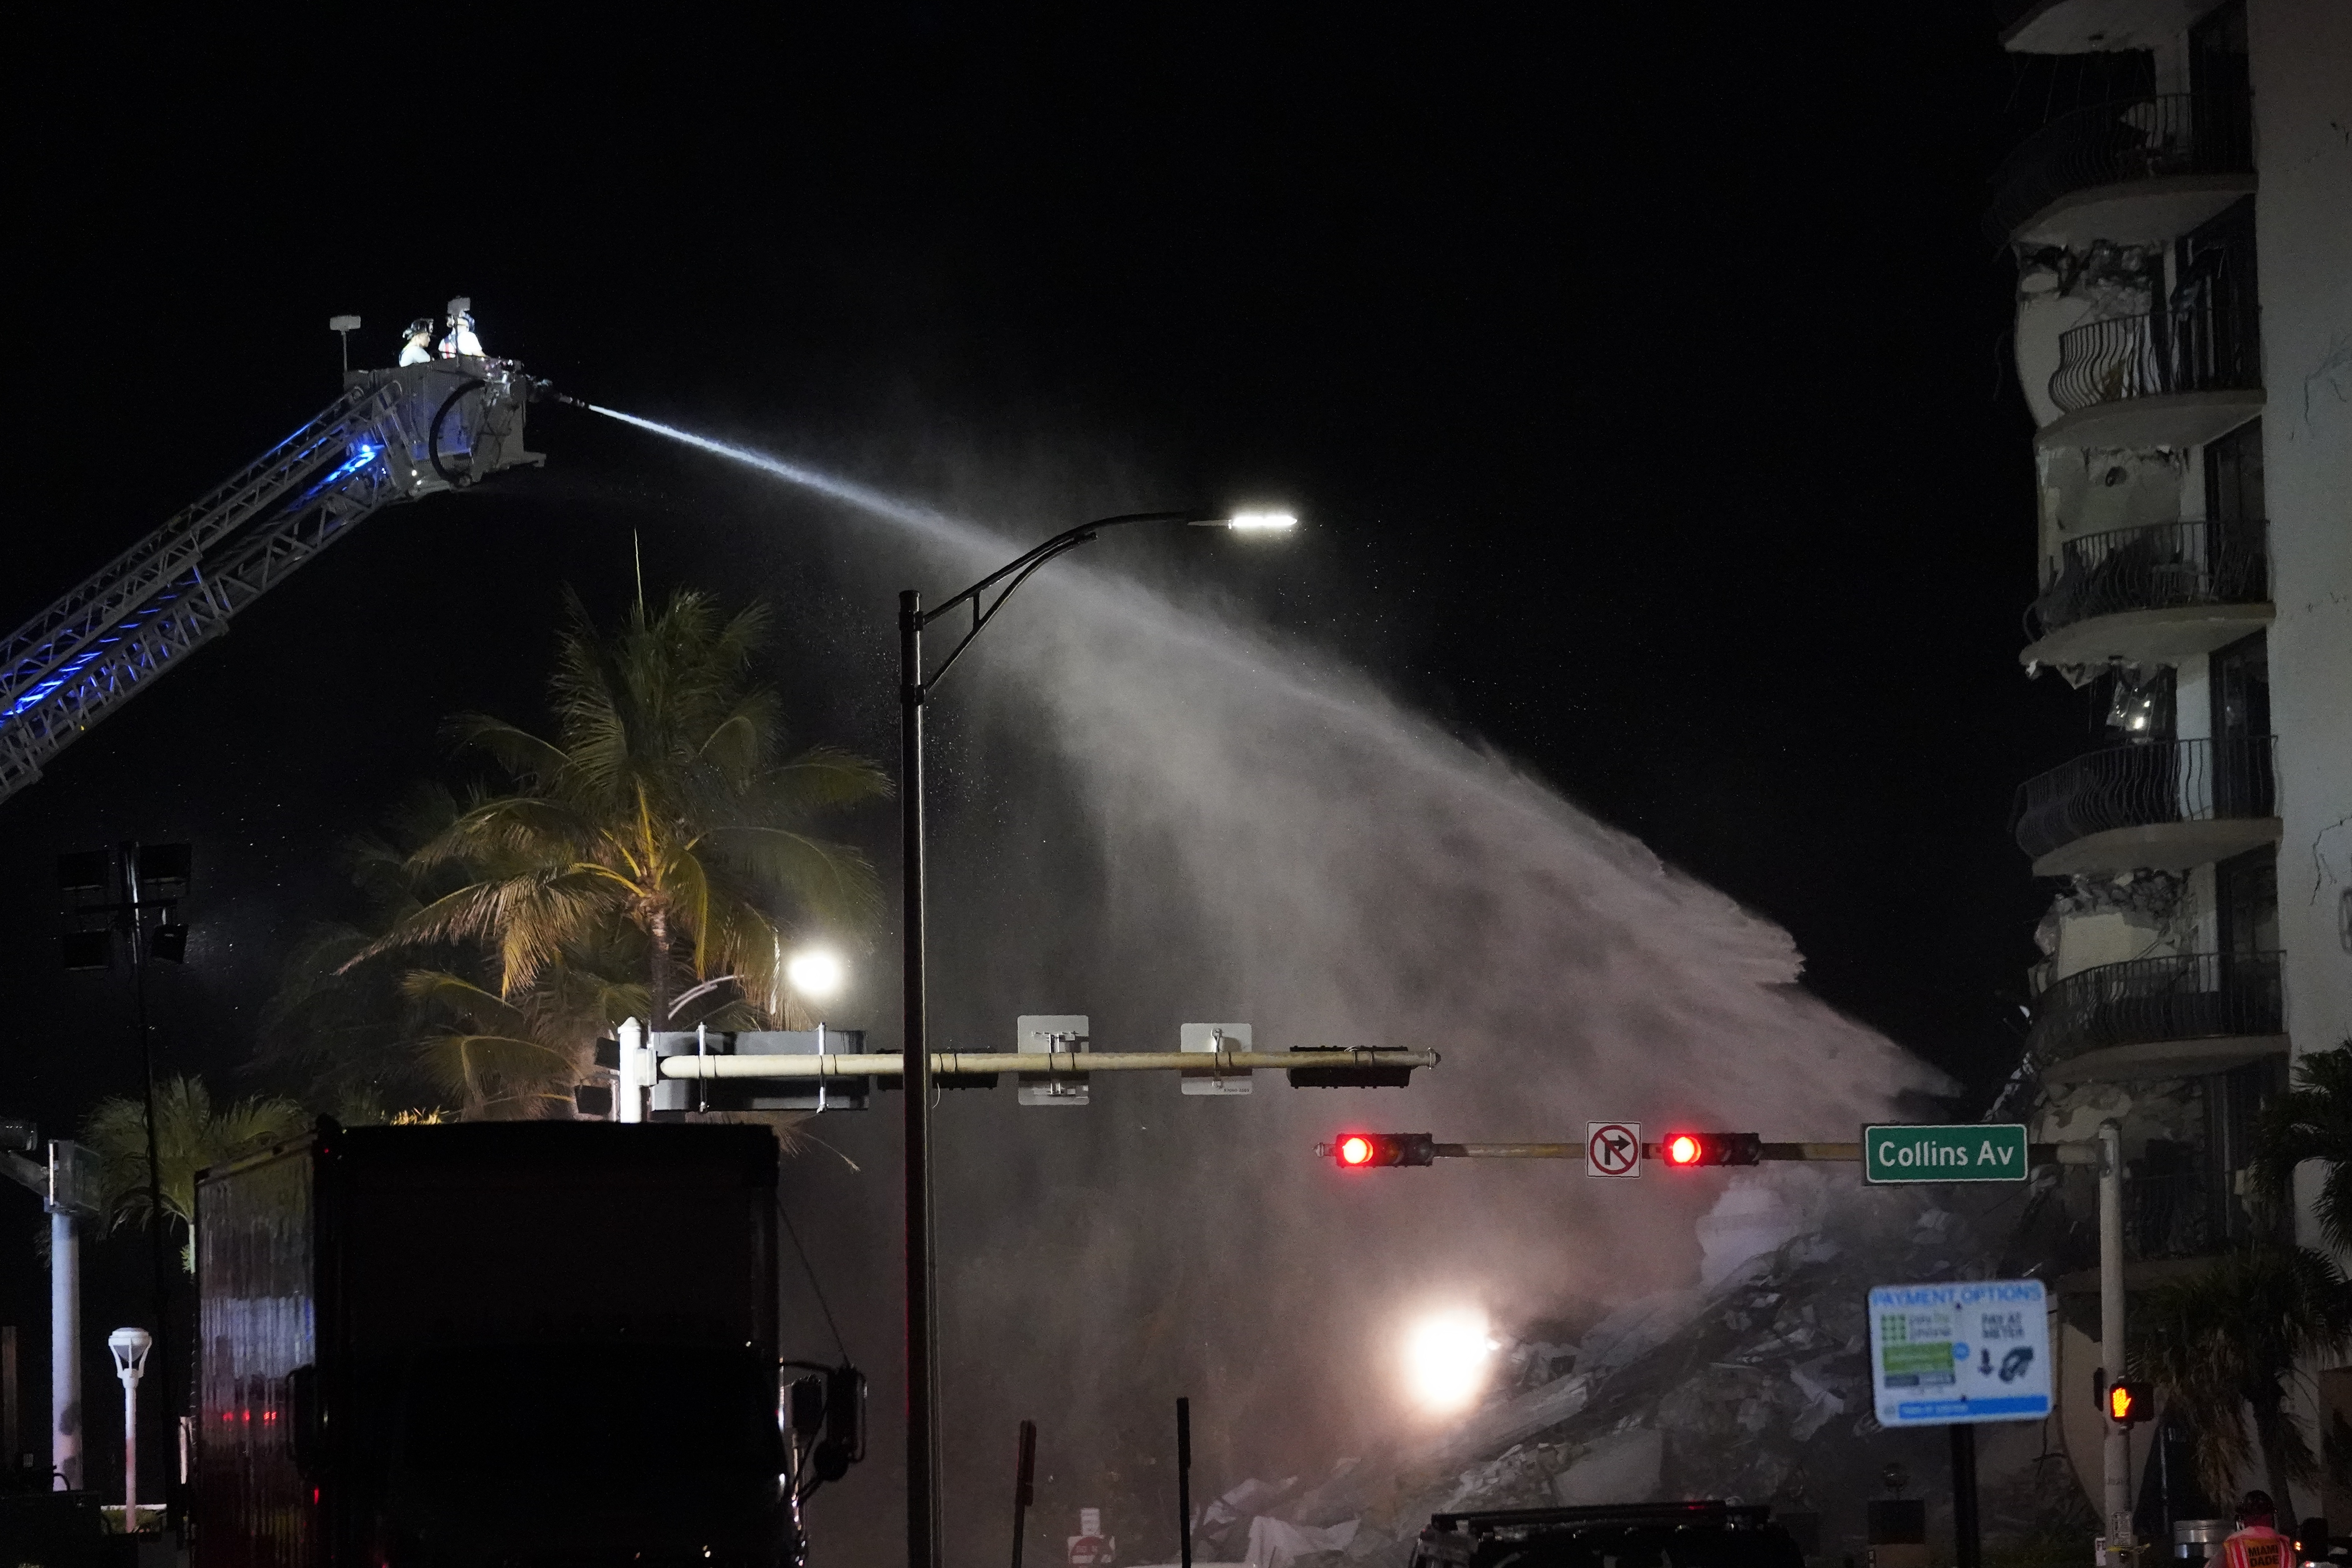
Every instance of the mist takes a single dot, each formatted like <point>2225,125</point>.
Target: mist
<point>1156,812</point>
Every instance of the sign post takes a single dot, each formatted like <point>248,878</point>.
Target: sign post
<point>1963,1151</point>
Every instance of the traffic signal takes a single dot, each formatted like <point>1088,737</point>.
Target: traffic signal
<point>1712,1148</point>
<point>1350,1069</point>
<point>1361,1151</point>
<point>2129,1403</point>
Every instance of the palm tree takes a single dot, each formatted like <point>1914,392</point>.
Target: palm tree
<point>2313,1120</point>
<point>190,1134</point>
<point>364,1033</point>
<point>2226,1344</point>
<point>660,807</point>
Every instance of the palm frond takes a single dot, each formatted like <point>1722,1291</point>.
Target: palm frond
<point>834,882</point>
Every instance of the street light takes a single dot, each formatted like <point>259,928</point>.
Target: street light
<point>153,878</point>
<point>130,1347</point>
<point>914,692</point>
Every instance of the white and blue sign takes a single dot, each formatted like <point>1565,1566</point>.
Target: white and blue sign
<point>1971,1349</point>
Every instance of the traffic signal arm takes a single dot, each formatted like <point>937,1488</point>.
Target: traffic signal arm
<point>888,1065</point>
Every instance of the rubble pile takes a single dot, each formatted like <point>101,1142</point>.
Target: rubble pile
<point>1754,1386</point>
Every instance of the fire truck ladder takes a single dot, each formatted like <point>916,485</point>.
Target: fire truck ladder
<point>391,435</point>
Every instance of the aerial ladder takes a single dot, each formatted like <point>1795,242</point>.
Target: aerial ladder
<point>392,436</point>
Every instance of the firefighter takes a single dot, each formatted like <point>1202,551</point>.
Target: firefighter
<point>460,339</point>
<point>2256,1542</point>
<point>416,342</point>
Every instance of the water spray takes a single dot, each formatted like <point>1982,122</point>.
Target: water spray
<point>862,497</point>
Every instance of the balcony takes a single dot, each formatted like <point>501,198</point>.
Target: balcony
<point>2151,596</point>
<point>2141,171</point>
<point>2178,377</point>
<point>2159,1018</point>
<point>2159,806</point>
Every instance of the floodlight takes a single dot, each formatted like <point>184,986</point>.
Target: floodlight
<point>1268,522</point>
<point>1447,1357</point>
<point>816,974</point>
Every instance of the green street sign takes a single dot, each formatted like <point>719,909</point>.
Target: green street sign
<point>1968,1151</point>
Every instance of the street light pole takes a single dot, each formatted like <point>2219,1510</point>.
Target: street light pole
<point>923,1520</point>
<point>915,1052</point>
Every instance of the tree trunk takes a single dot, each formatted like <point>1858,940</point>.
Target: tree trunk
<point>658,981</point>
<point>2270,1416</point>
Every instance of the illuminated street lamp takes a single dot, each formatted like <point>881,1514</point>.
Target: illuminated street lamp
<point>914,690</point>
<point>130,1347</point>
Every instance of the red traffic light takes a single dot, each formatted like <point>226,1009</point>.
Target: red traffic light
<point>2128,1403</point>
<point>1685,1149</point>
<point>1359,1150</point>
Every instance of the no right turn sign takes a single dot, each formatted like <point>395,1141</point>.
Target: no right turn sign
<point>1613,1149</point>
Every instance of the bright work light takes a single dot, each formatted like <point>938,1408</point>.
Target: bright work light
<point>1446,1358</point>
<point>1261,519</point>
<point>816,974</point>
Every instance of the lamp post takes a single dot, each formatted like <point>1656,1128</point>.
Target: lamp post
<point>154,877</point>
<point>130,1347</point>
<point>914,692</point>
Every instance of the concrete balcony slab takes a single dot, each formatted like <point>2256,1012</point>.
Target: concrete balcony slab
<point>2159,847</point>
<point>2132,212</point>
<point>2149,637</point>
<point>2176,420</point>
<point>2165,1059</point>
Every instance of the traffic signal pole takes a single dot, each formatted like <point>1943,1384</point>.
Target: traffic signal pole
<point>2114,1457</point>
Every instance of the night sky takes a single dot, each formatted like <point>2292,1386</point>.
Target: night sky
<point>1642,379</point>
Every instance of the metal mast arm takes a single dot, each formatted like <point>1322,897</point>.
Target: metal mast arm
<point>174,591</point>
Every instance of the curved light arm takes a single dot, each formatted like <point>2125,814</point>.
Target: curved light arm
<point>983,610</point>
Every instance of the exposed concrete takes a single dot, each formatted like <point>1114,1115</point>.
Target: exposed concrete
<point>2166,1060</point>
<point>2132,212</point>
<point>2167,419</point>
<point>2082,26</point>
<point>2149,638</point>
<point>2302,58</point>
<point>2160,846</point>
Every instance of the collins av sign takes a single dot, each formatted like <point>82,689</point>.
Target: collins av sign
<point>1968,1151</point>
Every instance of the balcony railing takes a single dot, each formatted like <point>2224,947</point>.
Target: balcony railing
<point>2204,344</point>
<point>2149,1001</point>
<point>2172,565</point>
<point>2156,138</point>
<point>2146,784</point>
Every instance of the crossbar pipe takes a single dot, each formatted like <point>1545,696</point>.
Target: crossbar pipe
<point>1059,1064</point>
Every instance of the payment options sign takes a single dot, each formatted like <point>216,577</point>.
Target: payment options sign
<point>1970,1350</point>
<point>1965,1152</point>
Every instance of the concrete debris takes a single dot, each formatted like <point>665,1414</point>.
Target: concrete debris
<point>1753,1386</point>
<point>1275,1544</point>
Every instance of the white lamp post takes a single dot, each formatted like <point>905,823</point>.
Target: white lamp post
<point>130,1347</point>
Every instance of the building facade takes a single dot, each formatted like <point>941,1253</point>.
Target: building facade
<point>2184,342</point>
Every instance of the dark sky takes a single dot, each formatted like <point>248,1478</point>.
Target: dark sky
<point>1640,371</point>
